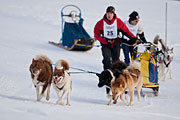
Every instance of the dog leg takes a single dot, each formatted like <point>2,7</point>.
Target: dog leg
<point>161,72</point>
<point>110,101</point>
<point>58,93</point>
<point>68,99</point>
<point>163,76</point>
<point>48,92</point>
<point>166,74</point>
<point>126,96</point>
<point>121,97</point>
<point>37,93</point>
<point>170,70</point>
<point>131,91</point>
<point>60,101</point>
<point>109,95</point>
<point>139,87</point>
<point>43,90</point>
<point>138,92</point>
<point>57,90</point>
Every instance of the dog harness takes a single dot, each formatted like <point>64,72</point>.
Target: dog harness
<point>166,64</point>
<point>60,87</point>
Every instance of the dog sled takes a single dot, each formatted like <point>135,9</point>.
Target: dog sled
<point>74,36</point>
<point>147,54</point>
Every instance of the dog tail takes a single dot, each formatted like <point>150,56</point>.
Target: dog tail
<point>163,44</point>
<point>120,65</point>
<point>156,39</point>
<point>62,64</point>
<point>134,65</point>
<point>43,58</point>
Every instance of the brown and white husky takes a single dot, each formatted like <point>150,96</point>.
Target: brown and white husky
<point>41,74</point>
<point>62,82</point>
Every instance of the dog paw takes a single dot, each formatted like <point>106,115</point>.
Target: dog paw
<point>47,98</point>
<point>39,98</point>
<point>109,104</point>
<point>60,103</point>
<point>68,104</point>
<point>130,104</point>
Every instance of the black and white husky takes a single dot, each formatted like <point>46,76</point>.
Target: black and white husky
<point>62,82</point>
<point>108,76</point>
<point>165,59</point>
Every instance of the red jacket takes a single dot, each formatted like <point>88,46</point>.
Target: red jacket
<point>121,27</point>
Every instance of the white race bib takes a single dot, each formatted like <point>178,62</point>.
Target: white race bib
<point>132,28</point>
<point>110,31</point>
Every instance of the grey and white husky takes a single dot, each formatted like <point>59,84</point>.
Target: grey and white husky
<point>165,59</point>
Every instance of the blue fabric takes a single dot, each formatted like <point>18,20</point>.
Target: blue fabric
<point>127,50</point>
<point>73,31</point>
<point>153,73</point>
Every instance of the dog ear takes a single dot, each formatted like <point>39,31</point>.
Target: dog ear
<point>33,60</point>
<point>125,72</point>
<point>172,49</point>
<point>133,74</point>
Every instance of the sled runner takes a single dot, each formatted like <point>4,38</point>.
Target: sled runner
<point>74,36</point>
<point>149,65</point>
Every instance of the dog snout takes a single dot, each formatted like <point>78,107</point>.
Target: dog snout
<point>113,97</point>
<point>55,77</point>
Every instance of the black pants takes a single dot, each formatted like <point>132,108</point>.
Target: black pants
<point>110,55</point>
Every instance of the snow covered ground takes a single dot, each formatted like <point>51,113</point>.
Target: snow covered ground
<point>26,26</point>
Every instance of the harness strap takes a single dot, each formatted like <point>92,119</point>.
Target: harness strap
<point>60,88</point>
<point>166,64</point>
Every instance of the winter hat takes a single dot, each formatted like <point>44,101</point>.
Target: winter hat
<point>134,16</point>
<point>110,9</point>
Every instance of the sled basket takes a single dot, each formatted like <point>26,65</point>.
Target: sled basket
<point>149,67</point>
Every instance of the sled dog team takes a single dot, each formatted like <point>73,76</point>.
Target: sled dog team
<point>118,79</point>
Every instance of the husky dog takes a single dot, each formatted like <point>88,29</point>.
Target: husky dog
<point>41,74</point>
<point>62,81</point>
<point>165,60</point>
<point>107,76</point>
<point>127,81</point>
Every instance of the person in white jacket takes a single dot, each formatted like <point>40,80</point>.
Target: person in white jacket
<point>137,30</point>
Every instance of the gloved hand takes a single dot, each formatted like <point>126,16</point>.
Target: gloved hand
<point>110,43</point>
<point>130,42</point>
<point>141,41</point>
